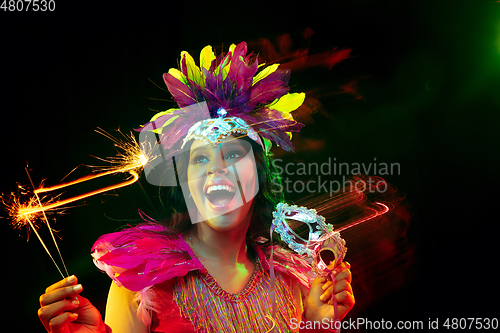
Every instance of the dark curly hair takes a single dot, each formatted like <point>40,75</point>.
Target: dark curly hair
<point>264,203</point>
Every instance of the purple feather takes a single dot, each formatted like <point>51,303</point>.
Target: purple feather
<point>248,119</point>
<point>241,72</point>
<point>273,126</point>
<point>278,75</point>
<point>267,92</point>
<point>286,125</point>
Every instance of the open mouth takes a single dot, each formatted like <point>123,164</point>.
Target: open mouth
<point>220,194</point>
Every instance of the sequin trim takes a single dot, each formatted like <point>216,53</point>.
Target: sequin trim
<point>211,309</point>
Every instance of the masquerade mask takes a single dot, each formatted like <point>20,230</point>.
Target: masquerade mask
<point>323,245</point>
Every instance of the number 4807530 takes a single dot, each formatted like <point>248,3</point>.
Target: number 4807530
<point>28,5</point>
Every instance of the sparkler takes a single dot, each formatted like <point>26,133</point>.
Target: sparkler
<point>132,159</point>
<point>48,225</point>
<point>18,221</point>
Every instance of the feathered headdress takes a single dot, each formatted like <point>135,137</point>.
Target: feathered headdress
<point>227,94</point>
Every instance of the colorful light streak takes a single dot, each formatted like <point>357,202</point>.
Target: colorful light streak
<point>352,206</point>
<point>375,214</point>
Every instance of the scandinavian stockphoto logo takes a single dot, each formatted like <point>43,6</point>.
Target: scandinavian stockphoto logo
<point>215,178</point>
<point>318,176</point>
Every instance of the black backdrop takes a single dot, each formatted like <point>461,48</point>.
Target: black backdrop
<point>427,71</point>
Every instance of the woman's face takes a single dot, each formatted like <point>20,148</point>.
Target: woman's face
<point>222,182</point>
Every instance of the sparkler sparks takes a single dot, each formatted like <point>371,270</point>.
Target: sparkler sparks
<point>31,213</point>
<point>131,159</point>
<point>19,205</point>
<point>14,206</point>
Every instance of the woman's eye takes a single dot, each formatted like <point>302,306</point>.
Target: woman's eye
<point>200,159</point>
<point>234,155</point>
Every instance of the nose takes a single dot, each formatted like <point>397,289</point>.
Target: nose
<point>216,171</point>
<point>218,165</point>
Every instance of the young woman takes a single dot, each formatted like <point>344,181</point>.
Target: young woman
<point>210,268</point>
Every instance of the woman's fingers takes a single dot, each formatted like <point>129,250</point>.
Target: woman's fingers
<point>344,274</point>
<point>345,301</point>
<point>71,280</point>
<point>60,294</point>
<point>343,265</point>
<point>345,297</point>
<point>339,286</point>
<point>58,299</point>
<point>56,313</point>
<point>327,285</point>
<point>45,313</point>
<point>57,323</point>
<point>343,279</point>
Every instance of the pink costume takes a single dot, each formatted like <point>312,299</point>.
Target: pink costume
<point>178,295</point>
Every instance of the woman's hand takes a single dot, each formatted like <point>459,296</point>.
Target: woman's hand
<point>62,310</point>
<point>318,302</point>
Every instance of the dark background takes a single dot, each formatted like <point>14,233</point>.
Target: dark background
<point>428,73</point>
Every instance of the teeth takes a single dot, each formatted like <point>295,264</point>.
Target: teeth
<point>220,188</point>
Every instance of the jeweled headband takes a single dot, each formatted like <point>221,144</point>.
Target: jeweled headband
<point>227,94</point>
<point>212,131</point>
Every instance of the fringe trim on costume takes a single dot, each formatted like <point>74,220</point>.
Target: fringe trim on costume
<point>212,309</point>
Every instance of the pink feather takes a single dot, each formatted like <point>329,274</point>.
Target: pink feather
<point>180,91</point>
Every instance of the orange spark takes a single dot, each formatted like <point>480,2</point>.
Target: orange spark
<point>131,158</point>
<point>28,210</point>
<point>14,206</point>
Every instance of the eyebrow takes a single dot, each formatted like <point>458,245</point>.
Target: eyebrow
<point>193,151</point>
<point>229,144</point>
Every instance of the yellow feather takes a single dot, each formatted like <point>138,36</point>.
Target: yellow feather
<point>265,72</point>
<point>225,70</point>
<point>177,74</point>
<point>162,113</point>
<point>193,71</point>
<point>206,57</point>
<point>232,47</point>
<point>168,122</point>
<point>159,114</point>
<point>288,102</point>
<point>225,65</point>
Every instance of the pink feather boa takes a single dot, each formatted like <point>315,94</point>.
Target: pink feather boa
<point>140,257</point>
